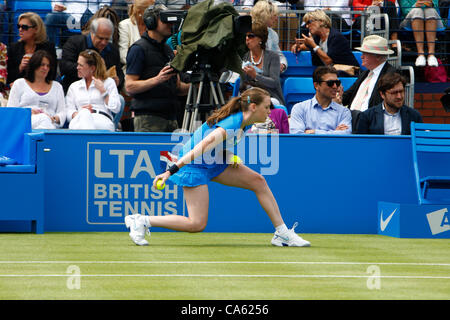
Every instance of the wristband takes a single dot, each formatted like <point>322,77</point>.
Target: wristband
<point>316,48</point>
<point>173,169</point>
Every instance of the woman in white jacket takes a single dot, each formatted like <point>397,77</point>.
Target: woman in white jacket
<point>92,101</point>
<point>131,29</point>
<point>39,92</point>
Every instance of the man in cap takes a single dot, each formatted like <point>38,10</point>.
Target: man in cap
<point>149,79</point>
<point>362,94</point>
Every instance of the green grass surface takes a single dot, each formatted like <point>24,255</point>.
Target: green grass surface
<point>221,266</point>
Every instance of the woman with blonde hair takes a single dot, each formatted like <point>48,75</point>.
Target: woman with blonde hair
<point>327,45</point>
<point>33,37</point>
<point>205,158</point>
<point>92,100</point>
<point>131,29</point>
<point>267,13</point>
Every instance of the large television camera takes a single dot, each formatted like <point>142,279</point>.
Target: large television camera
<point>213,36</point>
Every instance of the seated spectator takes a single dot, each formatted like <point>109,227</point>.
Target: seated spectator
<point>327,45</point>
<point>98,39</point>
<point>131,29</point>
<point>110,14</point>
<point>362,94</point>
<point>321,115</point>
<point>70,15</point>
<point>422,17</point>
<point>391,116</point>
<point>92,100</point>
<point>266,12</point>
<point>261,66</point>
<point>378,6</point>
<point>33,37</point>
<point>39,92</point>
<point>276,122</point>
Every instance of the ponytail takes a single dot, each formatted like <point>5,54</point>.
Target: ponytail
<point>237,104</point>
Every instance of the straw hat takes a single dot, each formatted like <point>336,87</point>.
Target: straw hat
<point>376,45</point>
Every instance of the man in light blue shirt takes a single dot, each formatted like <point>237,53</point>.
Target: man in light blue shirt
<point>321,115</point>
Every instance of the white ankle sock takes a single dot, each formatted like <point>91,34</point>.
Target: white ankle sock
<point>281,228</point>
<point>147,220</point>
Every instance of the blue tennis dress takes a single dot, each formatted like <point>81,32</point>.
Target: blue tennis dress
<point>212,163</point>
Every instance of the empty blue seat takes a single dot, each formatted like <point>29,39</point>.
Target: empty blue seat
<point>299,65</point>
<point>431,158</point>
<point>22,181</point>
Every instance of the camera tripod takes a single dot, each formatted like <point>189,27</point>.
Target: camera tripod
<point>204,96</point>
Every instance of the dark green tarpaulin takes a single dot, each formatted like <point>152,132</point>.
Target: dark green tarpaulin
<point>210,27</point>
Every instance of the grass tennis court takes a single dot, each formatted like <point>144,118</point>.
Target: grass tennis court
<point>221,266</point>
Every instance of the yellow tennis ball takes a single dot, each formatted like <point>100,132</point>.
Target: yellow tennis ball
<point>160,185</point>
<point>236,160</point>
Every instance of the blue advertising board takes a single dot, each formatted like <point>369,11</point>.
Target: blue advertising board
<point>329,184</point>
<point>402,220</point>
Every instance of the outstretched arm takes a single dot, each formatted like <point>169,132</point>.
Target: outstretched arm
<point>208,143</point>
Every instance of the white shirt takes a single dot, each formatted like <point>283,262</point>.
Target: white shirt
<point>79,95</point>
<point>373,81</point>
<point>392,123</point>
<point>52,103</point>
<point>78,7</point>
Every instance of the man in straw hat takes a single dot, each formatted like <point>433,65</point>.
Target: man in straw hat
<point>363,94</point>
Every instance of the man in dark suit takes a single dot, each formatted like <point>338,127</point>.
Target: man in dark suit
<point>391,116</point>
<point>375,52</point>
<point>97,39</point>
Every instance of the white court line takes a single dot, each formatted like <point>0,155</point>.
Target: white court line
<point>227,262</point>
<point>215,276</point>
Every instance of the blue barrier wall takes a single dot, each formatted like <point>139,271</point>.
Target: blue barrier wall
<point>330,184</point>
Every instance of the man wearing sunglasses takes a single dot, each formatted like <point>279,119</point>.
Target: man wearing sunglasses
<point>322,115</point>
<point>391,116</point>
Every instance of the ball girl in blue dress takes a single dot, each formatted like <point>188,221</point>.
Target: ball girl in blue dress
<point>205,158</point>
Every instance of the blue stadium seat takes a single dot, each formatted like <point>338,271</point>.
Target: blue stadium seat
<point>22,180</point>
<point>431,156</point>
<point>299,65</point>
<point>236,85</point>
<point>297,89</point>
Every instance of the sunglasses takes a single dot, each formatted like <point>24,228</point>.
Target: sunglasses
<point>24,27</point>
<point>330,83</point>
<point>250,35</point>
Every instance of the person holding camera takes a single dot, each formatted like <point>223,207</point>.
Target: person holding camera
<point>150,80</point>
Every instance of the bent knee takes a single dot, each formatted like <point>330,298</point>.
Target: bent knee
<point>258,182</point>
<point>197,226</point>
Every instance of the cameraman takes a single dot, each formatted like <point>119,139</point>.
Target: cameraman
<point>149,79</point>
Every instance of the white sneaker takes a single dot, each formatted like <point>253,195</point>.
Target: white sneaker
<point>432,61</point>
<point>138,229</point>
<point>420,61</point>
<point>289,239</point>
